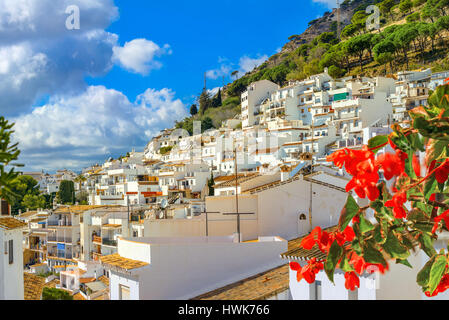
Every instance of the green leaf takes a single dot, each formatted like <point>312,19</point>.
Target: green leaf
<point>429,187</point>
<point>409,165</point>
<point>416,141</point>
<point>377,205</point>
<point>394,247</point>
<point>344,264</point>
<point>377,141</point>
<point>365,225</point>
<point>426,243</point>
<point>378,235</point>
<point>423,275</point>
<point>373,255</point>
<point>349,211</point>
<point>404,262</point>
<point>335,253</point>
<point>436,272</point>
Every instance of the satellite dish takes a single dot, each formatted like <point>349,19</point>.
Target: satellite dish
<point>164,203</point>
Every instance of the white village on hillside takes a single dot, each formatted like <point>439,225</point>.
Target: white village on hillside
<point>217,215</point>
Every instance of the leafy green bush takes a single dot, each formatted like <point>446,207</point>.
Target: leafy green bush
<point>55,294</point>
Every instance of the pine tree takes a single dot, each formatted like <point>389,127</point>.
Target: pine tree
<point>193,109</point>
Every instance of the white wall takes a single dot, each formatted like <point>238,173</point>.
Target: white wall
<point>11,275</point>
<point>279,208</point>
<point>183,269</point>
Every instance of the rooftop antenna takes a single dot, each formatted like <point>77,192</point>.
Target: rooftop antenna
<point>338,20</point>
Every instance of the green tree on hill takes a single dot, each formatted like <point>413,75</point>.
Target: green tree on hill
<point>22,186</point>
<point>66,192</point>
<point>193,109</point>
<point>204,101</point>
<point>33,202</point>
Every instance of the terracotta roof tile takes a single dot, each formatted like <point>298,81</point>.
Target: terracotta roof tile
<point>33,286</point>
<point>116,260</point>
<point>10,223</point>
<point>259,287</point>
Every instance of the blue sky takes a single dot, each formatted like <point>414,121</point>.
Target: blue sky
<point>201,35</point>
<point>79,96</point>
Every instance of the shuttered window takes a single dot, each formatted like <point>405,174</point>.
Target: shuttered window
<point>11,252</point>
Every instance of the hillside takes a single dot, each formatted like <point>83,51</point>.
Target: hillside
<point>413,34</point>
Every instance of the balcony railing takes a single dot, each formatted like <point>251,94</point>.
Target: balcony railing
<point>59,239</point>
<point>59,223</point>
<point>109,242</point>
<point>350,143</point>
<point>96,239</point>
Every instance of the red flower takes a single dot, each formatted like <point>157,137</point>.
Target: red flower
<point>392,164</point>
<point>317,236</point>
<point>349,233</point>
<point>446,81</point>
<point>416,165</point>
<point>309,271</point>
<point>339,157</point>
<point>444,216</point>
<point>295,266</point>
<point>433,197</point>
<point>352,281</point>
<point>442,173</point>
<point>397,203</point>
<point>362,166</point>
<point>360,265</point>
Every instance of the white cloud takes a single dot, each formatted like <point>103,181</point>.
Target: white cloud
<point>40,57</point>
<point>76,131</point>
<point>138,55</point>
<point>248,64</point>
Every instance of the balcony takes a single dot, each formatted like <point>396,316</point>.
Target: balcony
<point>109,242</point>
<point>96,239</point>
<point>350,143</point>
<point>59,239</point>
<point>59,223</point>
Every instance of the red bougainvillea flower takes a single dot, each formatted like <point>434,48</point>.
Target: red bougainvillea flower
<point>309,271</point>
<point>352,281</point>
<point>392,165</point>
<point>416,165</point>
<point>433,197</point>
<point>362,166</point>
<point>446,81</point>
<point>397,203</point>
<point>360,265</point>
<point>339,157</point>
<point>442,173</point>
<point>309,241</point>
<point>444,216</point>
<point>349,233</point>
<point>442,286</point>
<point>318,237</point>
<point>295,266</point>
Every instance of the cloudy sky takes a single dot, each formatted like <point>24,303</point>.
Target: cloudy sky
<point>79,96</point>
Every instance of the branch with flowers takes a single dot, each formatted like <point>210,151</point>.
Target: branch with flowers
<point>409,201</point>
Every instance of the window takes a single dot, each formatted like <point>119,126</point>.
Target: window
<point>11,252</point>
